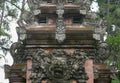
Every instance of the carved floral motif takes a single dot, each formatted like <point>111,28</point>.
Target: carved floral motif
<point>59,66</point>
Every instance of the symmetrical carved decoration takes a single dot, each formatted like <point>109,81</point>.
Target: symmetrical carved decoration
<point>60,26</point>
<point>49,62</point>
<point>59,66</point>
<point>60,31</point>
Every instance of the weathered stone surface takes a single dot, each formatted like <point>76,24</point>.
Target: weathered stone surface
<point>89,70</point>
<point>79,43</point>
<point>59,66</point>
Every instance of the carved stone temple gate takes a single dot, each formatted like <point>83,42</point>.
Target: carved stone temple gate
<point>59,42</point>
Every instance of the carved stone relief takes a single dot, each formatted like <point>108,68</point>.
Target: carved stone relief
<point>103,53</point>
<point>59,66</point>
<point>60,26</point>
<point>17,52</point>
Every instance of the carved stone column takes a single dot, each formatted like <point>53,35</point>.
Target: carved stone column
<point>60,26</point>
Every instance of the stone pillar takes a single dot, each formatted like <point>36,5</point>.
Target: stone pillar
<point>89,70</point>
<point>28,72</point>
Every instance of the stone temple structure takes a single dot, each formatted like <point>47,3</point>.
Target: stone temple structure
<point>60,41</point>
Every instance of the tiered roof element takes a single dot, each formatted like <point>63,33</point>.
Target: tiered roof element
<point>57,37</point>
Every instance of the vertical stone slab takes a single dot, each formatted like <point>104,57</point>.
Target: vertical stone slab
<point>89,70</point>
<point>28,73</point>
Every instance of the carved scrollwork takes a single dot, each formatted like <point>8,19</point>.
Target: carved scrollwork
<point>14,47</point>
<point>16,51</point>
<point>59,66</point>
<point>103,53</point>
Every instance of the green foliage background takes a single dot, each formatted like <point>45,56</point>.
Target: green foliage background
<point>110,11</point>
<point>10,10</point>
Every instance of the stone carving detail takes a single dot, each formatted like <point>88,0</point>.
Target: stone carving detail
<point>60,26</point>
<point>103,53</point>
<point>60,31</point>
<point>16,51</point>
<point>14,47</point>
<point>21,33</point>
<point>59,66</point>
<point>34,5</point>
<point>26,19</point>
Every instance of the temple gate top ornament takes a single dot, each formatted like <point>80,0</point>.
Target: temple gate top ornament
<point>57,37</point>
<point>60,26</point>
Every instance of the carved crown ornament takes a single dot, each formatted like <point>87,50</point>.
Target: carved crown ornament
<point>60,26</point>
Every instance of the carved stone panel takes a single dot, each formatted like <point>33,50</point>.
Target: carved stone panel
<point>58,66</point>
